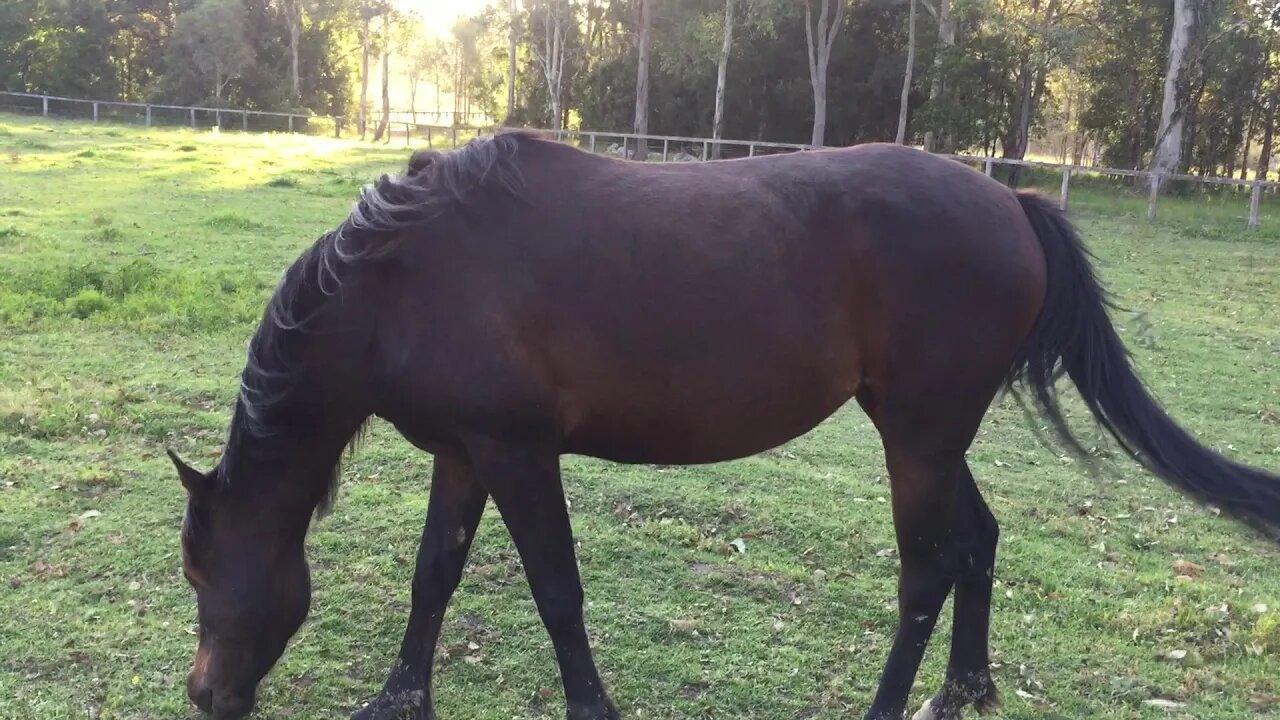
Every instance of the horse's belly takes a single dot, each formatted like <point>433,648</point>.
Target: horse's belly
<point>694,427</point>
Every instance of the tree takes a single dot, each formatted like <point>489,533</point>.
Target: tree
<point>412,46</point>
<point>645,46</point>
<point>1042,44</point>
<point>906,76</point>
<point>293,15</point>
<point>941,12</point>
<point>554,16</point>
<point>212,35</point>
<point>1168,150</point>
<point>1122,69</point>
<point>429,58</point>
<point>367,12</point>
<point>513,41</point>
<point>385,120</point>
<point>722,71</point>
<point>819,41</point>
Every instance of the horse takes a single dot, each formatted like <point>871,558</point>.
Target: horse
<point>519,299</point>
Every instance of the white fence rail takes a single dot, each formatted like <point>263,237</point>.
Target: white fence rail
<point>56,106</point>
<point>592,139</point>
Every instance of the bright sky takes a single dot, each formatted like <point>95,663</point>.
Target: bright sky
<point>440,14</point>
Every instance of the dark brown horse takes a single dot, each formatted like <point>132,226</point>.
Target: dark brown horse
<point>519,299</point>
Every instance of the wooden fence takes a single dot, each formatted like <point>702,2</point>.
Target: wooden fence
<point>150,113</point>
<point>592,140</point>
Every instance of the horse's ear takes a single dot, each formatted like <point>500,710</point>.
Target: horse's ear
<point>192,479</point>
<point>422,160</point>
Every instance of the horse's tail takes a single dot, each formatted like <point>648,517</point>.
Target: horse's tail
<point>1074,334</point>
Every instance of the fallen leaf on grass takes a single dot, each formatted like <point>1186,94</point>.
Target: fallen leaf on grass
<point>1188,568</point>
<point>45,571</point>
<point>683,626</point>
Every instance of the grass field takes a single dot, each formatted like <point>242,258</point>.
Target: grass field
<point>134,266</point>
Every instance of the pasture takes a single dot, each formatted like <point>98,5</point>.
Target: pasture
<point>134,265</point>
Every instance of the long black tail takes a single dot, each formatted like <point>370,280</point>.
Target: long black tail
<point>1074,335</point>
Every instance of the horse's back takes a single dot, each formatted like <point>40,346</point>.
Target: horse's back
<point>698,312</point>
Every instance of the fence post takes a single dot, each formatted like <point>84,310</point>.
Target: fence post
<point>1255,198</point>
<point>1066,187</point>
<point>44,105</point>
<point>193,118</point>
<point>95,111</point>
<point>987,167</point>
<point>148,116</point>
<point>406,134</point>
<point>706,151</point>
<point>217,117</point>
<point>290,123</point>
<point>666,146</point>
<point>455,137</point>
<point>244,120</point>
<point>592,140</point>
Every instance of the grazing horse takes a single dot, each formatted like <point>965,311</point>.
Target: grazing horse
<point>520,299</point>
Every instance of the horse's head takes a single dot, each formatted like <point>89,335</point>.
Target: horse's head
<point>253,590</point>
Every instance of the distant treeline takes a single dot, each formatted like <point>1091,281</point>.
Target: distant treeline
<point>1120,77</point>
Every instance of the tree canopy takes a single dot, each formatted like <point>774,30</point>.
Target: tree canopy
<point>1080,77</point>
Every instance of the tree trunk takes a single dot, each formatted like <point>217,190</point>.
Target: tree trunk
<point>1248,145</point>
<point>1168,150</point>
<point>551,57</point>
<point>1034,74</point>
<point>1268,134</point>
<point>384,125</point>
<point>295,35</point>
<point>642,79</point>
<point>722,74</point>
<point>362,121</point>
<point>946,39</point>
<point>511,64</point>
<point>906,76</point>
<point>819,41</point>
<point>1066,129</point>
<point>457,82</point>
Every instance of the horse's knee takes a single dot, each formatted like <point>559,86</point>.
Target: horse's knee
<point>561,607</point>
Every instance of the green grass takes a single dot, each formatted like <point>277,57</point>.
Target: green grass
<point>131,278</point>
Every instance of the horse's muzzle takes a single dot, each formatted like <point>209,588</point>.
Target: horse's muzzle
<point>218,705</point>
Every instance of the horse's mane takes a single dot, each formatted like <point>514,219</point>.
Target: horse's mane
<point>466,182</point>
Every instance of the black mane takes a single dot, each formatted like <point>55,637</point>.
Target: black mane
<point>480,174</point>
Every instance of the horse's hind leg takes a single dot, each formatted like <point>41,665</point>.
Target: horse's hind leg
<point>453,512</point>
<point>525,485</point>
<point>925,490</point>
<point>968,672</point>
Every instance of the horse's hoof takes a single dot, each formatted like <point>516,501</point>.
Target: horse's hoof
<point>410,705</point>
<point>925,712</point>
<point>976,689</point>
<point>600,711</point>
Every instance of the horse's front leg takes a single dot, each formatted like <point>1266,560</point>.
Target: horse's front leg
<point>453,512</point>
<point>525,484</point>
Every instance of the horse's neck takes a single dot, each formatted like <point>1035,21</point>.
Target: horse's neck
<point>292,467</point>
